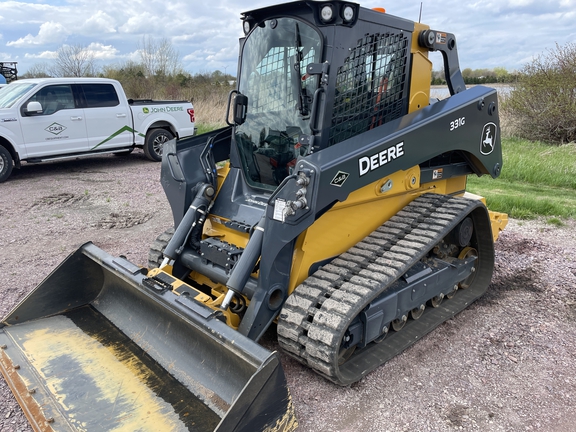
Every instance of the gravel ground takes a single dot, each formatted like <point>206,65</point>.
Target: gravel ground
<point>504,364</point>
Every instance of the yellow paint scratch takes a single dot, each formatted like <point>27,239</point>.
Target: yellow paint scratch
<point>117,387</point>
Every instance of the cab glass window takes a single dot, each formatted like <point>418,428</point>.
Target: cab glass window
<point>100,95</point>
<point>54,98</point>
<point>13,93</point>
<point>273,77</point>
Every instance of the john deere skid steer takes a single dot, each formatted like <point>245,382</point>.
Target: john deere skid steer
<point>333,208</point>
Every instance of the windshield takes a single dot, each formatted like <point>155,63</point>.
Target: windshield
<point>10,94</point>
<point>273,77</point>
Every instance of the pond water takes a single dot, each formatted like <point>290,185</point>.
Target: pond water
<point>442,92</point>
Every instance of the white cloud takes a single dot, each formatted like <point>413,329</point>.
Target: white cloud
<point>133,56</point>
<point>103,52</point>
<point>142,23</point>
<point>50,32</point>
<point>521,3</point>
<point>206,33</point>
<point>99,23</point>
<point>5,57</point>
<point>44,55</point>
<point>100,52</point>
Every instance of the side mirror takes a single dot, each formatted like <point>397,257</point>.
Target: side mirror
<point>33,108</point>
<point>239,109</point>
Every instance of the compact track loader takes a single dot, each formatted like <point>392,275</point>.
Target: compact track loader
<point>333,207</point>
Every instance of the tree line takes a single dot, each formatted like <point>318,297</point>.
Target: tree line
<point>159,62</point>
<point>157,73</point>
<point>479,76</point>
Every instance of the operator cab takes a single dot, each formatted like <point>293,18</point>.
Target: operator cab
<point>309,79</point>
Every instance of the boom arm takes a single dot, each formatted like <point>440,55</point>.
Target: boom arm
<point>446,44</point>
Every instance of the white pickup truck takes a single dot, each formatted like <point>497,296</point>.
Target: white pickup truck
<point>58,118</point>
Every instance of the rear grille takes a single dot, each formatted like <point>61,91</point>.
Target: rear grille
<point>371,86</point>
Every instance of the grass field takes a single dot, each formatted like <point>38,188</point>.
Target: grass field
<point>537,180</point>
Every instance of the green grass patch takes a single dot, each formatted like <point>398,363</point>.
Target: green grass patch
<point>539,164</point>
<point>207,127</point>
<point>556,221</point>
<point>537,180</point>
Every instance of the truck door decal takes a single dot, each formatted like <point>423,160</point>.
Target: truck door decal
<point>115,134</point>
<point>55,128</point>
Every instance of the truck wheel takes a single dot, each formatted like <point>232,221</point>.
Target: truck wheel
<point>155,140</point>
<point>6,164</point>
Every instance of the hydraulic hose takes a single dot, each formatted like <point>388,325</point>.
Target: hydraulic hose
<point>194,216</point>
<point>243,268</point>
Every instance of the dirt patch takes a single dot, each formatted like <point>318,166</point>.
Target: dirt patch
<point>59,199</point>
<point>457,415</point>
<point>123,220</point>
<point>504,364</point>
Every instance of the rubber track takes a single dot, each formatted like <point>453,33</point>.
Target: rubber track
<point>156,252</point>
<point>320,310</point>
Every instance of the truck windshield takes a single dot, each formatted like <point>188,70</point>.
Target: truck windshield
<point>12,93</point>
<point>273,77</point>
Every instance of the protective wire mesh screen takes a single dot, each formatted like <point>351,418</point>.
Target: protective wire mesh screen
<point>370,86</point>
<point>273,85</point>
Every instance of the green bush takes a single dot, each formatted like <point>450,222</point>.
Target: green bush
<point>542,103</point>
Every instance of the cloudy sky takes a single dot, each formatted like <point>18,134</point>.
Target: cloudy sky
<point>490,33</point>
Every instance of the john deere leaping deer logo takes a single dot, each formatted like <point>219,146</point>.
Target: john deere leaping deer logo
<point>488,140</point>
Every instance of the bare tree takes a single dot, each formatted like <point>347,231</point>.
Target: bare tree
<point>38,70</point>
<point>74,61</point>
<point>159,56</point>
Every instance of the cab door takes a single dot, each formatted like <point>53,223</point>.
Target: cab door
<point>59,129</point>
<point>108,118</point>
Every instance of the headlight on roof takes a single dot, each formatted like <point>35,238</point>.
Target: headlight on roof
<point>327,13</point>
